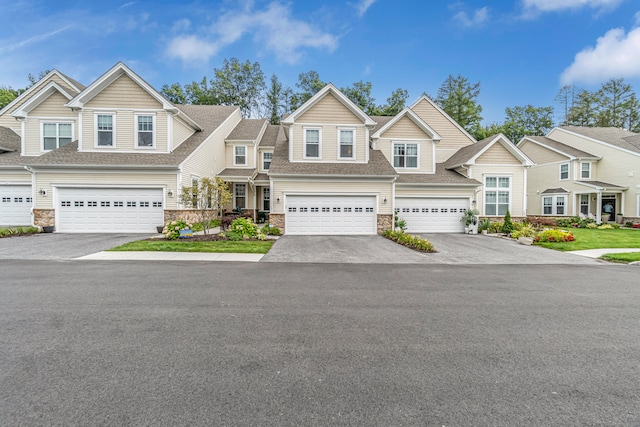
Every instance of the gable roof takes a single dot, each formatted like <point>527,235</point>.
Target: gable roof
<point>9,147</point>
<point>441,111</point>
<point>559,147</point>
<point>73,87</point>
<point>470,153</point>
<point>210,116</point>
<point>380,122</point>
<point>558,190</point>
<point>411,115</point>
<point>271,135</point>
<point>617,137</point>
<point>442,176</point>
<point>39,97</point>
<point>328,89</point>
<point>247,130</point>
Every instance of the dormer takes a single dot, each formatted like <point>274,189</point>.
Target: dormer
<point>241,145</point>
<point>123,113</point>
<point>408,142</point>
<point>328,128</point>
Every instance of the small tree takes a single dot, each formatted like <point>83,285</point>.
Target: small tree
<point>208,196</point>
<point>507,226</point>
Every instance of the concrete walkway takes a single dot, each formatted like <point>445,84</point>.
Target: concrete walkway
<point>597,253</point>
<point>171,256</point>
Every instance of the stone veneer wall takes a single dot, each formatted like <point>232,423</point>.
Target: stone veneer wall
<point>44,217</point>
<point>188,215</point>
<point>385,222</point>
<point>277,221</point>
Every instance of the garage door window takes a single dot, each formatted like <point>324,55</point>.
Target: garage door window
<point>56,135</point>
<point>405,155</point>
<point>497,195</point>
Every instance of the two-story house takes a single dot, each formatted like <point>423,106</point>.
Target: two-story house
<point>584,171</point>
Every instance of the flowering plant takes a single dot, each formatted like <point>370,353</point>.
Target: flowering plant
<point>172,229</point>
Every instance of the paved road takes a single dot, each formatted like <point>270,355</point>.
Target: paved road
<point>161,343</point>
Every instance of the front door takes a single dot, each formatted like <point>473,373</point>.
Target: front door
<point>609,206</point>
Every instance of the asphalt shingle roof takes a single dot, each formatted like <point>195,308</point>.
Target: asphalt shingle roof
<point>564,148</point>
<point>465,154</point>
<point>247,130</point>
<point>615,136</point>
<point>554,190</point>
<point>9,147</point>
<point>209,117</point>
<point>442,176</point>
<point>271,135</point>
<point>600,184</point>
<point>237,172</point>
<point>381,121</point>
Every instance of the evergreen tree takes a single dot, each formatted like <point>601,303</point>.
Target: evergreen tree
<point>458,98</point>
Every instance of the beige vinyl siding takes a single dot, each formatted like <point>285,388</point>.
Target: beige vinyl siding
<point>517,185</point>
<point>123,93</point>
<point>181,131</point>
<point>15,176</point>
<point>230,155</point>
<point>329,110</point>
<point>209,158</point>
<point>54,108</point>
<point>47,180</point>
<point>333,187</point>
<point>48,78</point>
<point>126,128</point>
<point>405,128</point>
<point>329,143</point>
<point>443,155</point>
<point>541,154</point>
<point>259,160</point>
<point>452,137</point>
<point>10,122</point>
<point>425,154</point>
<point>497,155</point>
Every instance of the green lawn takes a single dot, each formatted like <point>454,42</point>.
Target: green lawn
<point>596,239</point>
<point>624,258</point>
<point>220,246</point>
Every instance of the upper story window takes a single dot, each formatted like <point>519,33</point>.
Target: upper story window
<point>585,170</point>
<point>55,135</point>
<point>266,160</point>
<point>497,195</point>
<point>312,143</point>
<point>240,155</point>
<point>145,135</point>
<point>346,140</point>
<point>564,171</point>
<point>405,155</point>
<point>105,130</point>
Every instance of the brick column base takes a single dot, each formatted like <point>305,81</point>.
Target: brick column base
<point>385,222</point>
<point>277,221</point>
<point>44,217</point>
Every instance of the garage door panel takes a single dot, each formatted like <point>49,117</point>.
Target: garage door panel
<point>109,210</point>
<point>15,205</point>
<point>432,215</point>
<point>330,215</point>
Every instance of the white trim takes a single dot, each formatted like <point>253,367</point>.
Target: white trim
<point>235,194</point>
<point>136,116</point>
<point>556,150</point>
<point>23,143</point>
<point>36,87</point>
<point>417,120</point>
<point>581,170</point>
<point>57,123</point>
<point>339,130</point>
<point>169,132</point>
<point>80,139</point>
<point>593,140</point>
<point>497,190</point>
<point>304,142</point>
<point>506,144</point>
<point>262,169</point>
<point>405,142</point>
<point>95,129</point>
<point>568,164</point>
<point>262,199</point>
<point>638,204</point>
<point>554,204</point>
<point>246,157</point>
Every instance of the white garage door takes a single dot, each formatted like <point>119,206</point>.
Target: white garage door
<point>15,205</point>
<point>109,210</point>
<point>330,215</point>
<point>431,215</point>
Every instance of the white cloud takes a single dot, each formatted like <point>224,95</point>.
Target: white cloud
<point>615,55</point>
<point>191,49</point>
<point>34,39</point>
<point>636,19</point>
<point>363,6</point>
<point>554,5</point>
<point>274,29</point>
<point>480,16</point>
<point>181,25</point>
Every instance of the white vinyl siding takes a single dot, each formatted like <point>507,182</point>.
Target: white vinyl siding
<point>497,195</point>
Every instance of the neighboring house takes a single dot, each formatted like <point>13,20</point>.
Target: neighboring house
<point>108,157</point>
<point>584,171</point>
<point>113,156</point>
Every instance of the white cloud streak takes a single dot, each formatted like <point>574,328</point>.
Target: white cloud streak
<point>555,5</point>
<point>615,55</point>
<point>479,17</point>
<point>34,39</point>
<point>363,6</point>
<point>191,49</point>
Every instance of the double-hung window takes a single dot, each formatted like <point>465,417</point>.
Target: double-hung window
<point>497,195</point>
<point>266,199</point>
<point>585,170</point>
<point>584,204</point>
<point>564,171</point>
<point>554,205</point>
<point>240,195</point>
<point>346,138</point>
<point>145,136</point>
<point>312,143</point>
<point>105,130</point>
<point>266,160</point>
<point>405,155</point>
<point>240,155</point>
<point>56,135</point>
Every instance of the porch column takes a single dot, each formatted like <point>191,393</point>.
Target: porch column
<point>621,209</point>
<point>599,207</point>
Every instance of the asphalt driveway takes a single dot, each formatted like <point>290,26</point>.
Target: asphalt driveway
<point>452,249</point>
<point>61,246</point>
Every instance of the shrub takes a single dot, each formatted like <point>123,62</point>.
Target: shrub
<point>523,229</point>
<point>628,224</point>
<point>234,237</point>
<point>410,241</point>
<point>172,229</point>
<point>399,223</point>
<point>484,224</point>
<point>226,221</point>
<point>495,227</point>
<point>245,227</point>
<point>568,222</point>
<point>554,236</point>
<point>592,225</point>
<point>507,226</point>
<point>605,227</point>
<point>270,231</point>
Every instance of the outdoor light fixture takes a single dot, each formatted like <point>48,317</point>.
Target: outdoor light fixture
<point>42,192</point>
<point>278,199</point>
<point>384,200</point>
<point>170,193</point>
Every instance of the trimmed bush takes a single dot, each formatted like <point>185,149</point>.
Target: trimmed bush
<point>245,227</point>
<point>507,226</point>
<point>554,236</point>
<point>523,229</point>
<point>410,241</point>
<point>172,229</point>
<point>270,231</point>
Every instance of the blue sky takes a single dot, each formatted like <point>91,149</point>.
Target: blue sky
<point>521,51</point>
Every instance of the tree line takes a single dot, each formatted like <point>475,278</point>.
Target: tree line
<point>244,84</point>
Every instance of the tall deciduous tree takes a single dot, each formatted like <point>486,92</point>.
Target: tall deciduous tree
<point>277,100</point>
<point>309,84</point>
<point>527,120</point>
<point>7,95</point>
<point>566,98</point>
<point>395,103</point>
<point>459,99</point>
<point>360,94</point>
<point>614,96</point>
<point>585,110</point>
<point>240,84</point>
